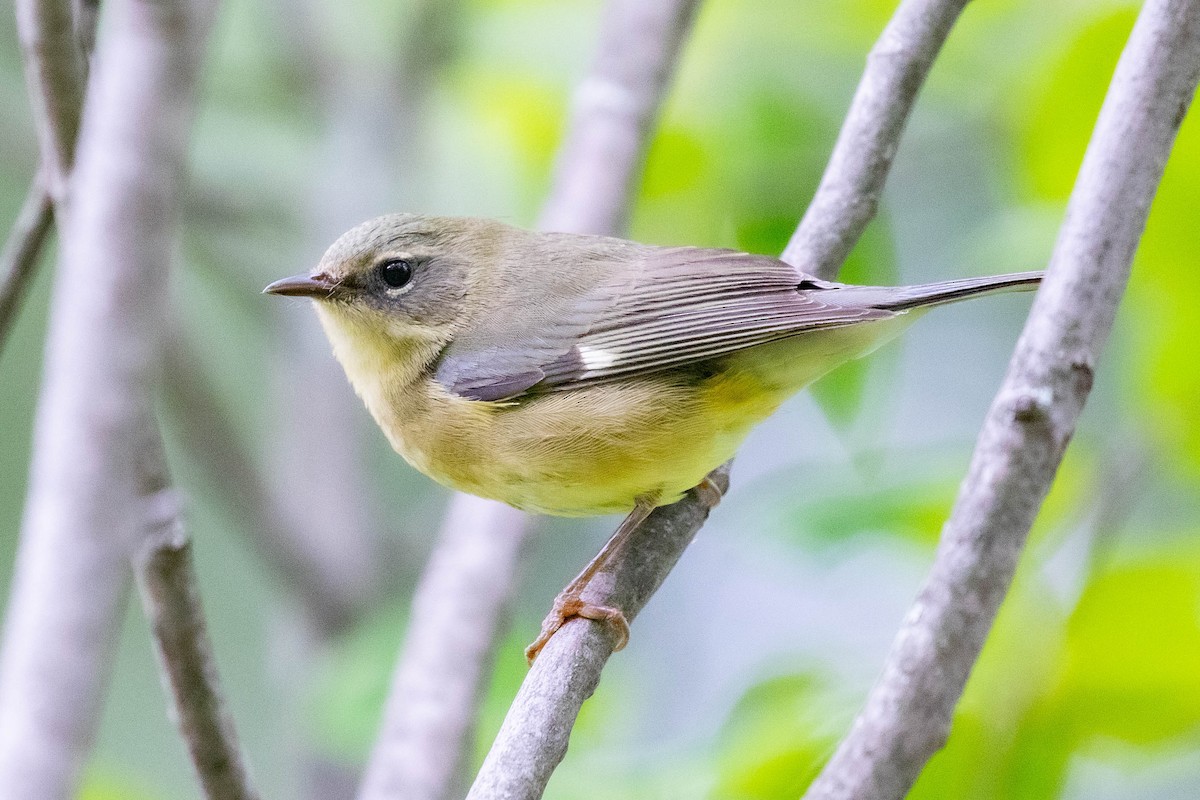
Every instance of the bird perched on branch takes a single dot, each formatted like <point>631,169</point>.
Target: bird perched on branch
<point>579,375</point>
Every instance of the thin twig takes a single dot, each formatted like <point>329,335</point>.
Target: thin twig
<point>54,73</point>
<point>907,715</point>
<point>167,583</point>
<point>19,259</point>
<point>110,293</point>
<point>1126,472</point>
<point>602,153</point>
<point>533,738</point>
<point>171,601</point>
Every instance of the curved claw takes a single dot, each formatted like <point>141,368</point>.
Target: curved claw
<point>613,618</point>
<point>566,607</point>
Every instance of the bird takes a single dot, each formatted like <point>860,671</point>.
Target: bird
<point>578,375</point>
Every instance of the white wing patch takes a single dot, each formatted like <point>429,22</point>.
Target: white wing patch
<point>594,358</point>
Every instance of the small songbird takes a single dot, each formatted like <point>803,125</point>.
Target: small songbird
<point>578,375</point>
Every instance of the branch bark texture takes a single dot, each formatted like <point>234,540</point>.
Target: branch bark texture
<point>534,736</point>
<point>907,716</point>
<point>81,511</point>
<point>53,88</point>
<point>435,691</point>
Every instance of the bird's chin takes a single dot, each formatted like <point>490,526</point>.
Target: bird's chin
<point>342,320</point>
<point>357,343</point>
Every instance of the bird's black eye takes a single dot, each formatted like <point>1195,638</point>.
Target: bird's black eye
<point>396,272</point>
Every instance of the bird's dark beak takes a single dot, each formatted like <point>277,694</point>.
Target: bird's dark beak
<point>319,286</point>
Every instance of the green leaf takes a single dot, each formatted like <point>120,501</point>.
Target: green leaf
<point>912,511</point>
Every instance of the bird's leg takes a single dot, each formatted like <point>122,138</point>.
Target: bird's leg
<point>570,602</point>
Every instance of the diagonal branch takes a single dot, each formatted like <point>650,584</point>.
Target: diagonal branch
<point>109,299</point>
<point>613,114</point>
<point>455,624</point>
<point>170,595</point>
<point>435,691</point>
<point>171,601</point>
<point>19,259</point>
<point>907,715</point>
<point>533,737</point>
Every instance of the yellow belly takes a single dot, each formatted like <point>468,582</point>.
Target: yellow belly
<point>583,452</point>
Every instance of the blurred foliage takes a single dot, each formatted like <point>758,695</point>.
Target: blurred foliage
<point>1094,658</point>
<point>775,740</point>
<point>108,787</point>
<point>350,685</point>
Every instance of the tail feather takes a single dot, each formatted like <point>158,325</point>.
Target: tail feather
<point>903,298</point>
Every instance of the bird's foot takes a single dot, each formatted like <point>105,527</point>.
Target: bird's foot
<point>708,492</point>
<point>568,605</point>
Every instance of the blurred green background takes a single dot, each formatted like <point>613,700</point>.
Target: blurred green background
<point>752,660</point>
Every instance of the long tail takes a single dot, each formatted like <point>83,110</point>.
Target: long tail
<point>902,298</point>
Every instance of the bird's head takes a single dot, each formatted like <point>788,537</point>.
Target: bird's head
<point>398,286</point>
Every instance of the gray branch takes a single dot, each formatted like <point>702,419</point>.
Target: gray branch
<point>167,582</point>
<point>432,713</point>
<point>533,738</point>
<point>54,72</point>
<point>110,293</point>
<point>19,259</point>
<point>848,195</point>
<point>907,715</point>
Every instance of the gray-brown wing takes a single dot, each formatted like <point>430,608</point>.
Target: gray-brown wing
<point>670,308</point>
